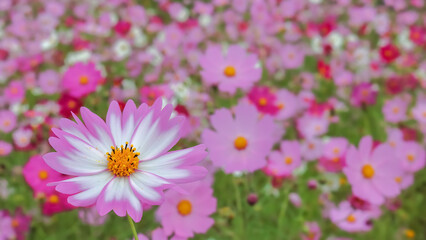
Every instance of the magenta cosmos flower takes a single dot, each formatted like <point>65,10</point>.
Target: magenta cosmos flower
<point>349,219</point>
<point>372,173</point>
<point>187,213</point>
<point>81,79</point>
<point>123,163</point>
<point>235,69</point>
<point>239,143</point>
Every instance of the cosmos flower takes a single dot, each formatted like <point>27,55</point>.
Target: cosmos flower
<point>284,162</point>
<point>81,79</point>
<point>5,148</point>
<point>313,231</point>
<point>411,155</point>
<point>372,173</point>
<point>333,158</point>
<point>14,92</point>
<point>389,53</point>
<point>6,228</point>
<point>363,93</point>
<point>349,219</point>
<point>7,121</point>
<point>264,100</point>
<point>187,213</point>
<point>120,164</point>
<point>235,69</point>
<point>395,110</point>
<point>239,143</point>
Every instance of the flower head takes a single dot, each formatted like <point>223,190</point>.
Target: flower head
<point>81,79</point>
<point>123,163</point>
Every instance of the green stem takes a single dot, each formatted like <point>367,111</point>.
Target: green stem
<point>283,210</point>
<point>132,226</point>
<point>240,213</point>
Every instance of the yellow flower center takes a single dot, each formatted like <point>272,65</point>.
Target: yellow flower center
<point>240,143</point>
<point>410,157</point>
<point>367,171</point>
<point>123,161</point>
<point>288,160</point>
<point>184,207</point>
<point>395,110</point>
<point>336,150</point>
<point>43,174</point>
<point>281,106</point>
<point>84,80</point>
<point>336,159</point>
<point>409,233</point>
<point>229,71</point>
<point>351,218</point>
<point>398,179</point>
<point>71,104</point>
<point>54,199</point>
<point>15,223</point>
<point>263,101</point>
<point>6,123</point>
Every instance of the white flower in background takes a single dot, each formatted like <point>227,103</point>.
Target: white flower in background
<point>181,91</point>
<point>79,56</point>
<point>50,42</point>
<point>205,20</point>
<point>139,37</point>
<point>362,57</point>
<point>336,40</point>
<point>404,40</point>
<point>122,49</point>
<point>157,58</point>
<point>316,44</point>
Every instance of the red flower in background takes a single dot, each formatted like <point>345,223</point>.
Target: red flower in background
<point>69,104</point>
<point>389,53</point>
<point>324,69</point>
<point>122,27</point>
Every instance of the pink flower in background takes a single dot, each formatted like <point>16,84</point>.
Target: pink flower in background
<point>22,137</point>
<point>395,110</point>
<point>14,92</point>
<point>120,164</point>
<point>5,148</point>
<point>363,93</point>
<point>21,224</point>
<point>333,157</point>
<point>49,81</point>
<point>287,103</point>
<point>372,173</point>
<point>284,162</point>
<point>55,203</point>
<point>239,143</point>
<point>230,71</point>
<point>311,126</point>
<point>314,231</point>
<point>311,149</point>
<point>7,121</point>
<point>395,137</point>
<point>81,79</point>
<point>295,199</point>
<point>264,100</point>
<point>6,228</point>
<point>91,216</point>
<point>37,174</point>
<point>349,219</point>
<point>292,56</point>
<point>411,155</point>
<point>419,110</point>
<point>186,214</point>
<point>148,94</point>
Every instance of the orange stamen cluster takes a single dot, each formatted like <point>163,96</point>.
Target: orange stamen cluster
<point>123,161</point>
<point>229,71</point>
<point>184,207</point>
<point>240,143</point>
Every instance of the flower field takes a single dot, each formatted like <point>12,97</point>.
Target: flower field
<point>213,119</point>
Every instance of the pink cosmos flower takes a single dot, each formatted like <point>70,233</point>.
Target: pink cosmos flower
<point>14,92</point>
<point>235,69</point>
<point>148,94</point>
<point>314,231</point>
<point>7,121</point>
<point>363,93</point>
<point>287,103</point>
<point>412,156</point>
<point>55,203</point>
<point>419,111</point>
<point>311,149</point>
<point>349,219</point>
<point>22,137</point>
<point>333,158</point>
<point>312,126</point>
<point>186,214</point>
<point>372,173</point>
<point>49,81</point>
<point>239,143</point>
<point>264,100</point>
<point>6,228</point>
<point>21,224</point>
<point>37,174</point>
<point>395,110</point>
<point>395,137</point>
<point>295,199</point>
<point>292,56</point>
<point>120,164</point>
<point>5,148</point>
<point>284,162</point>
<point>81,79</point>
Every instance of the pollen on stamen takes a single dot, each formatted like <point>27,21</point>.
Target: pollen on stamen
<point>123,160</point>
